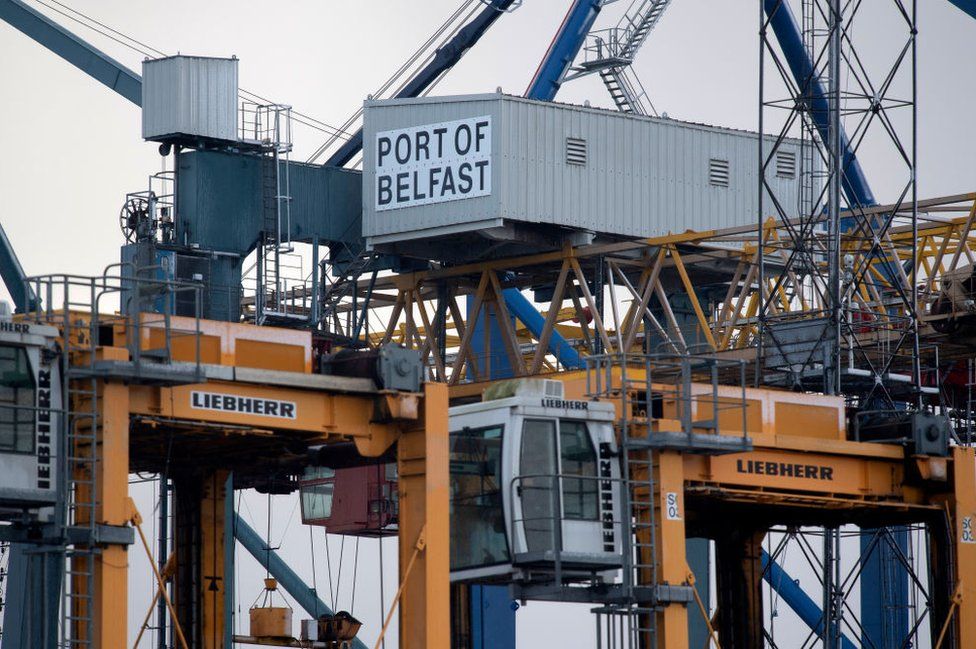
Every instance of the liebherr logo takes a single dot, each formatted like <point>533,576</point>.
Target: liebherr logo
<point>785,469</point>
<point>606,498</point>
<point>242,405</point>
<point>44,428</point>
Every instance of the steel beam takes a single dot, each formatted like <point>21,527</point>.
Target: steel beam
<point>563,50</point>
<point>521,308</point>
<point>73,49</point>
<point>969,6</point>
<point>14,277</point>
<point>796,598</point>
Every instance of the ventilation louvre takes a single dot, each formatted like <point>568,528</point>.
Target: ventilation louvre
<point>553,389</point>
<point>575,151</point>
<point>718,172</point>
<point>785,164</point>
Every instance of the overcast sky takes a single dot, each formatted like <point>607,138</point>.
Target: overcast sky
<point>74,147</point>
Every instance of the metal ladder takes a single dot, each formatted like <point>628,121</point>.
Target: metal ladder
<point>270,127</point>
<point>632,623</point>
<point>80,422</point>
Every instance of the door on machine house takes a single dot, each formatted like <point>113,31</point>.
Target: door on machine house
<point>556,483</point>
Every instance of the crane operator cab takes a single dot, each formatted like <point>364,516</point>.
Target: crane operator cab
<point>535,481</point>
<point>30,415</point>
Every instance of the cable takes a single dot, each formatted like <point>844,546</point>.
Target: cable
<point>408,64</point>
<point>114,31</point>
<point>267,572</point>
<point>379,542</point>
<point>355,572</point>
<point>342,549</point>
<point>328,564</point>
<point>315,584</point>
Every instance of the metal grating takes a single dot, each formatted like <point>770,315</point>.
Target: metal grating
<point>575,151</point>
<point>786,164</point>
<point>718,172</point>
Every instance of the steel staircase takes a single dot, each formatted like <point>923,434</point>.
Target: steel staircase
<point>342,290</point>
<point>640,19</point>
<point>610,53</point>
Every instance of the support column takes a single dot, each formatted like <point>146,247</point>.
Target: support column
<point>885,620</point>
<point>699,561</point>
<point>110,619</point>
<point>422,460</point>
<point>964,466</point>
<point>200,535</point>
<point>213,584</point>
<point>738,558</point>
<point>670,557</point>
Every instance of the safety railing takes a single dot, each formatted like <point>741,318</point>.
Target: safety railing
<point>135,310</point>
<point>267,125</point>
<point>704,394</point>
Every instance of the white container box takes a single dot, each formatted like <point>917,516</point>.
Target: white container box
<point>453,178</point>
<point>189,98</point>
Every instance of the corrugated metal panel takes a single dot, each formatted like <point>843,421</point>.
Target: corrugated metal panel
<point>641,177</point>
<point>189,96</point>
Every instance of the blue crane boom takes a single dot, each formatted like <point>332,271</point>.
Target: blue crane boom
<point>444,59</point>
<point>969,6</point>
<point>74,50</point>
<point>14,277</point>
<point>564,49</point>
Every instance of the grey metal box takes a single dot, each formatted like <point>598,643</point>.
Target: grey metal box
<point>187,98</point>
<point>552,172</point>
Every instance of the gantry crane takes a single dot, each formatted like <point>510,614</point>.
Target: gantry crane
<point>154,390</point>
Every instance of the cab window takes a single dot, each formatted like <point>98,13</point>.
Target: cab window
<point>578,458</point>
<point>316,490</point>
<point>539,476</point>
<point>18,396</point>
<point>477,520</point>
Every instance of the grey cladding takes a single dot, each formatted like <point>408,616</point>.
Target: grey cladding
<point>554,173</point>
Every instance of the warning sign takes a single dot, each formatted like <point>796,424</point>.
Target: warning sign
<point>433,163</point>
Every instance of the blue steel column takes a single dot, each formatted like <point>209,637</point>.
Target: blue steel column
<point>969,6</point>
<point>796,598</point>
<point>885,621</point>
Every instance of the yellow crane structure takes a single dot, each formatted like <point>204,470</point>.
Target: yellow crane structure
<point>224,397</point>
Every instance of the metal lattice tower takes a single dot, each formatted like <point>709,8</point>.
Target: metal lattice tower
<point>855,283</point>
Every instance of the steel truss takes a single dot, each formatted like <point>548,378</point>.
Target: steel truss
<point>840,255</point>
<point>678,293</point>
<point>819,552</point>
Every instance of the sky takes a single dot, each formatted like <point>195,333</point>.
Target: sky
<point>74,147</point>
